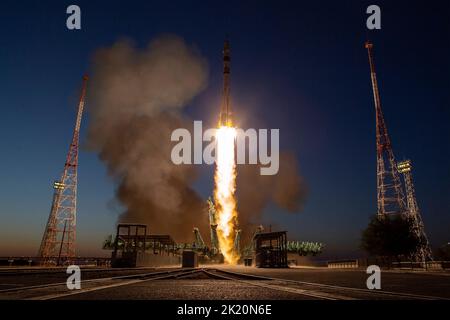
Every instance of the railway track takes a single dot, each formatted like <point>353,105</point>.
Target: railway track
<point>293,287</point>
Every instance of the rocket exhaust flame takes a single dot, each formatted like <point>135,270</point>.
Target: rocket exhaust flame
<point>225,187</point>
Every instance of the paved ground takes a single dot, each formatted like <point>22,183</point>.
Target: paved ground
<point>12,278</point>
<point>187,289</point>
<point>202,285</point>
<point>431,283</point>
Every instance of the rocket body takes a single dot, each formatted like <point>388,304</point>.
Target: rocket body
<point>225,118</point>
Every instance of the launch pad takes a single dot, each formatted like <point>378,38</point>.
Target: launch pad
<point>271,250</point>
<point>133,247</point>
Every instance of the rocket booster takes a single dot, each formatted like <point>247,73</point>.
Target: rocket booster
<point>225,118</point>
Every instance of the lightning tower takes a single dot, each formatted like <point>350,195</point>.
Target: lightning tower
<point>58,241</point>
<point>390,195</point>
<point>423,252</point>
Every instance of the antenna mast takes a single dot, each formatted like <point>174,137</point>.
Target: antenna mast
<point>389,189</point>
<point>58,241</point>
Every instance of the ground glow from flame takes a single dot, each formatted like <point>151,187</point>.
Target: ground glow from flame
<point>225,186</point>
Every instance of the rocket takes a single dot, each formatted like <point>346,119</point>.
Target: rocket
<point>225,118</point>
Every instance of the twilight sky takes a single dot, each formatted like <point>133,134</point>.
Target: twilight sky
<point>298,66</point>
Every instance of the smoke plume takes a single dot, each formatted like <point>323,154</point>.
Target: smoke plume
<point>136,101</point>
<point>287,190</point>
<point>136,98</point>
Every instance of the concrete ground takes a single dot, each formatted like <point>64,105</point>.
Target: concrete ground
<point>421,283</point>
<point>202,286</point>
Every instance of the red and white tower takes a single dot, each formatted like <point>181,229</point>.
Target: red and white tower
<point>423,252</point>
<point>391,200</point>
<point>58,241</point>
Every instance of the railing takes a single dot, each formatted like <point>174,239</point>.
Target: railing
<point>429,265</point>
<point>343,264</point>
<point>386,264</point>
<point>35,261</point>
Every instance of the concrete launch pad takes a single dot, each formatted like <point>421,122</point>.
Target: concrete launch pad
<point>223,283</point>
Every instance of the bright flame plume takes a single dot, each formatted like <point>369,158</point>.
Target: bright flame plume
<point>225,187</point>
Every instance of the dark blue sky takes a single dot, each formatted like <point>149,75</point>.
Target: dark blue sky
<point>298,66</point>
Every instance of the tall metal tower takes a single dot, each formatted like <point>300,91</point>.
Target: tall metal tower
<point>424,251</point>
<point>237,243</point>
<point>389,189</point>
<point>226,118</point>
<point>213,226</point>
<point>58,241</point>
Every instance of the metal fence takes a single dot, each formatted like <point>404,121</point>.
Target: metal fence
<point>387,264</point>
<point>34,261</point>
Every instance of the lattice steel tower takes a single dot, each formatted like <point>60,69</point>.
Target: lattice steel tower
<point>389,189</point>
<point>58,241</point>
<point>213,226</point>
<point>423,252</point>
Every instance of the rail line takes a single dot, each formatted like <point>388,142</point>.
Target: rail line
<point>277,287</point>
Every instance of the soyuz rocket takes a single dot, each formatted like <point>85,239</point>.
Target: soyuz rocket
<point>225,118</point>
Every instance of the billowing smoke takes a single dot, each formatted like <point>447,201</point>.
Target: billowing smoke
<point>136,100</point>
<point>287,190</point>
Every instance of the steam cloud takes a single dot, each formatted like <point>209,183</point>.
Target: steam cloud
<point>135,102</point>
<point>287,190</point>
<point>137,96</point>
